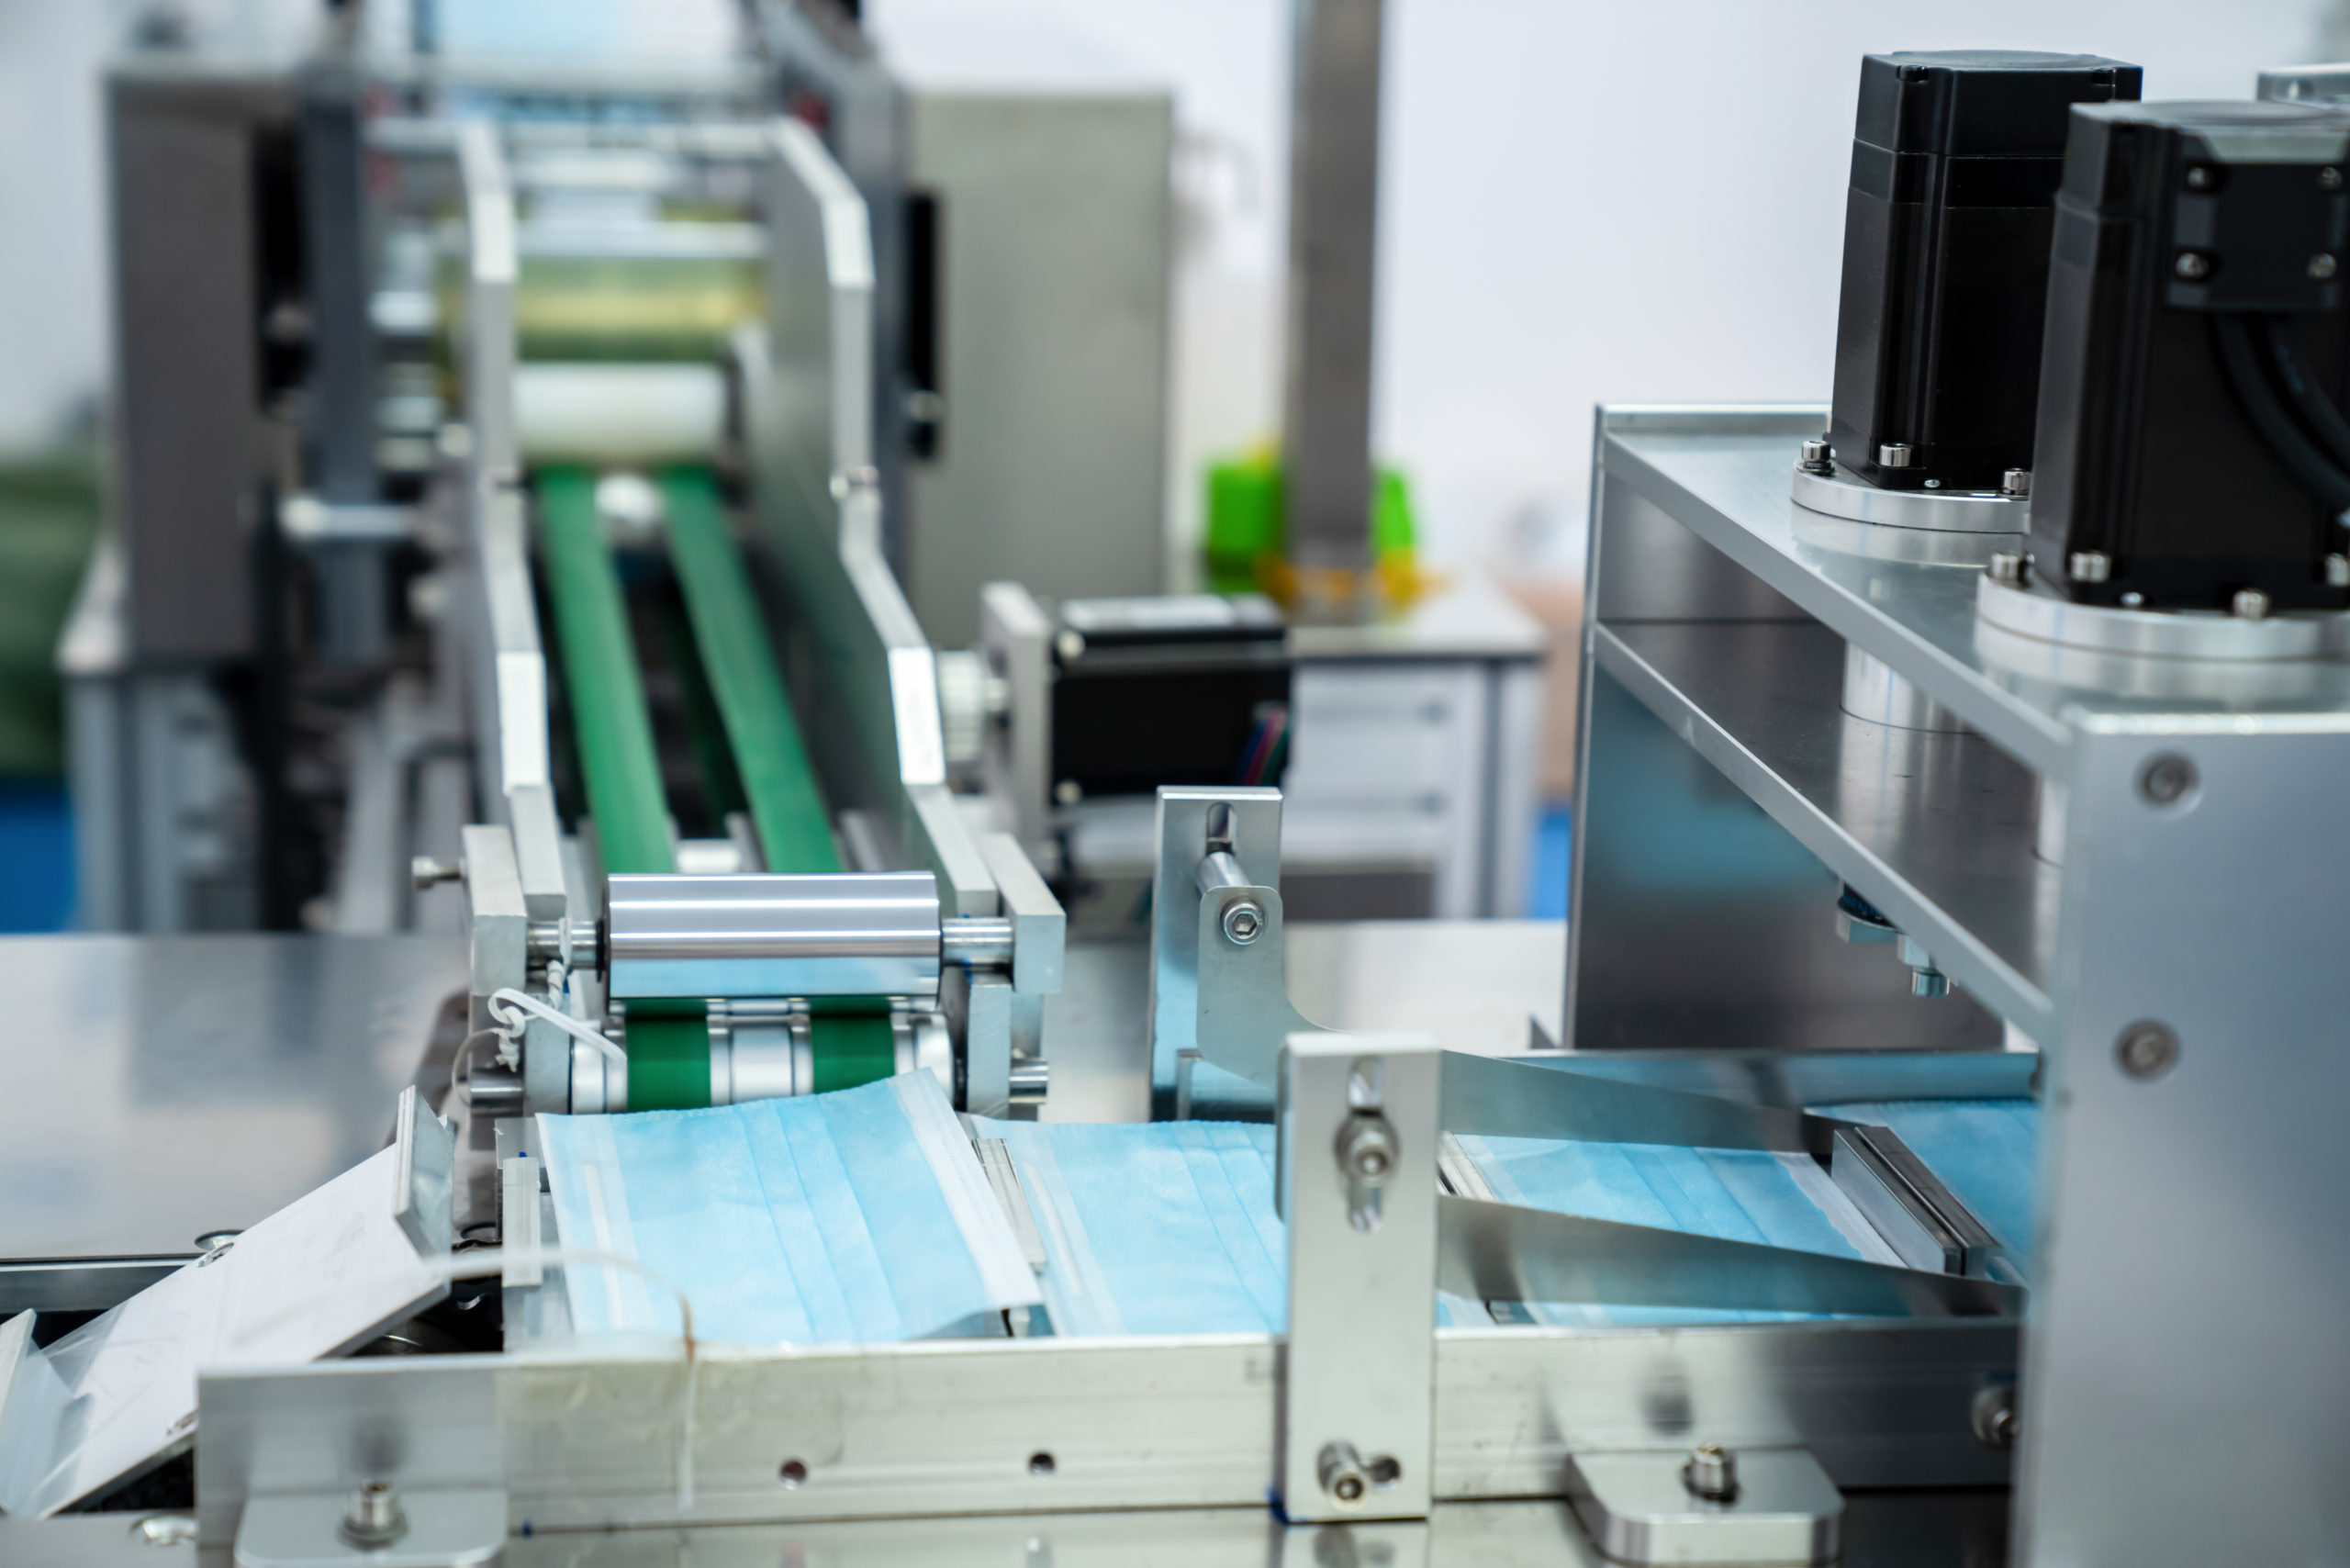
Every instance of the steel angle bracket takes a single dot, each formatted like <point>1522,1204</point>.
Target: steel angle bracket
<point>1490,1251</point>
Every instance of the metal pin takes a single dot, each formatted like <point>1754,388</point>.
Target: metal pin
<point>2249,604</point>
<point>1711,1472</point>
<point>373,1516</point>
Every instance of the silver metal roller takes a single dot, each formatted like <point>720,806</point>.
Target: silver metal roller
<point>869,934</point>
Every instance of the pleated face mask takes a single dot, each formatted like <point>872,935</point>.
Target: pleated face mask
<point>1164,1227</point>
<point>856,1217</point>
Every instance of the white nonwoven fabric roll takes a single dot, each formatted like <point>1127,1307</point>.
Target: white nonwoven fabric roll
<point>618,413</point>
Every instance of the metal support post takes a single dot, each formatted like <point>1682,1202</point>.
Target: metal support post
<point>2185,1031</point>
<point>1333,233</point>
<point>1358,1187</point>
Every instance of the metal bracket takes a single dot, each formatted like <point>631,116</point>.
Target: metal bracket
<point>449,1529</point>
<point>1194,822</point>
<point>423,1187</point>
<point>1358,1186</point>
<point>1758,1506</point>
<point>1920,1219</point>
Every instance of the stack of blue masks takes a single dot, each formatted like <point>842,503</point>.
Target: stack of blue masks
<point>860,1216</point>
<point>1170,1227</point>
<point>863,1216</point>
<point>1154,1227</point>
<point>1736,1194</point>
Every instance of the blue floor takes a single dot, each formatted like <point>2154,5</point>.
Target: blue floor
<point>36,855</point>
<point>1546,894</point>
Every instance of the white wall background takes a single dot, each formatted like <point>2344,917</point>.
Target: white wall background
<point>1580,201</point>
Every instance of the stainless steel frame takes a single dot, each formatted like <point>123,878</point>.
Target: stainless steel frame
<point>2192,1078</point>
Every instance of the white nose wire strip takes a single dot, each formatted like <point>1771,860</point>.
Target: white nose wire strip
<point>1076,1292</point>
<point>995,1251</point>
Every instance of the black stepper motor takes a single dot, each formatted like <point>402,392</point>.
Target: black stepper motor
<point>2191,443</point>
<point>1956,158</point>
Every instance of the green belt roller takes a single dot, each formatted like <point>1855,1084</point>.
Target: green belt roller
<point>668,1042</point>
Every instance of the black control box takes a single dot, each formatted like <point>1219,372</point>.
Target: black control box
<point>2191,443</point>
<point>1956,158</point>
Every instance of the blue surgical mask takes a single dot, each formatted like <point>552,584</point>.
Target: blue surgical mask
<point>857,1217</point>
<point>1783,1200</point>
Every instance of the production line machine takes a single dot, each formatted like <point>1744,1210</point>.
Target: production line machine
<point>1932,1100</point>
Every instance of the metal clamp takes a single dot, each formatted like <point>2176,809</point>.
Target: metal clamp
<point>1357,1181</point>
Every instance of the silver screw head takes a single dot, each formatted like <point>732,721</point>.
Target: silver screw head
<point>2166,779</point>
<point>2016,482</point>
<point>1711,1472</point>
<point>2321,265</point>
<point>1933,484</point>
<point>1894,454</point>
<point>373,1516</point>
<point>426,872</point>
<point>2090,565</point>
<point>2249,604</point>
<point>2147,1050</point>
<point>2192,265</point>
<point>2201,177</point>
<point>1367,1149</point>
<point>1342,1475</point>
<point>1244,922</point>
<point>2337,571</point>
<point>1069,645</point>
<point>2329,178</point>
<point>1069,791</point>
<point>2005,567</point>
<point>1817,455</point>
<point>1994,1419</point>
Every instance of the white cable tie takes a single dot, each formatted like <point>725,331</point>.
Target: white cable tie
<point>506,1005</point>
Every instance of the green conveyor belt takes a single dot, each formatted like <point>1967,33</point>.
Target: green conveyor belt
<point>599,673</point>
<point>669,1041</point>
<point>787,807</point>
<point>851,1041</point>
<point>668,1044</point>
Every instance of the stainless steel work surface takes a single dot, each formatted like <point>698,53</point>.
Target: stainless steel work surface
<point>1882,1530</point>
<point>155,1089</point>
<point>1471,983</point>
